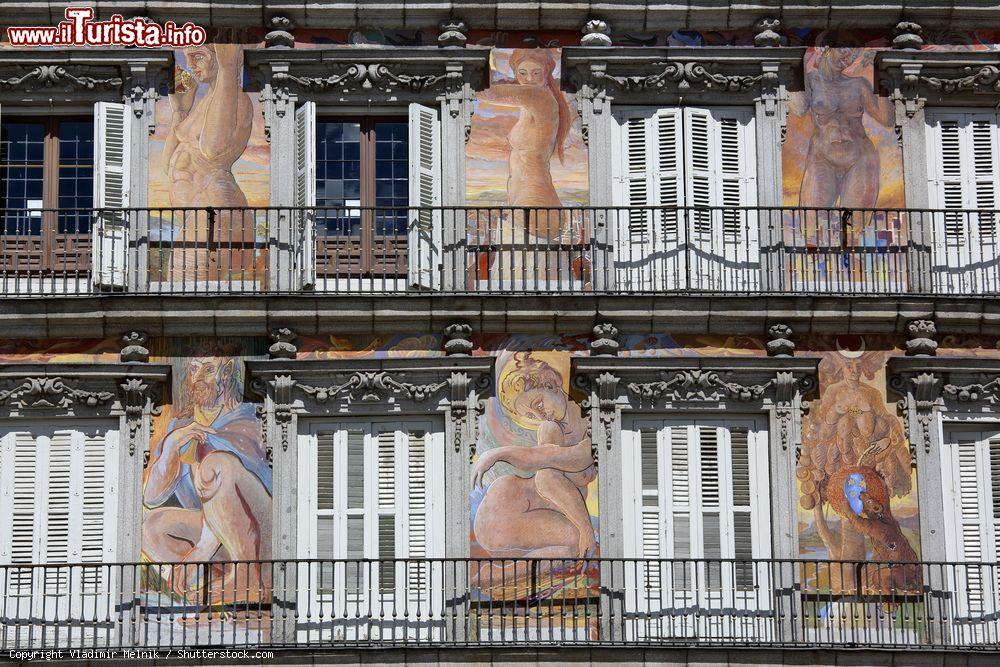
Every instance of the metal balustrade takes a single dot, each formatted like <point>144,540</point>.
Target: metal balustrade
<point>492,602</point>
<point>499,250</point>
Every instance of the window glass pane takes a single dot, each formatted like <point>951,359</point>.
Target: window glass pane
<point>22,142</point>
<point>338,177</point>
<point>76,198</point>
<point>76,142</point>
<point>391,177</point>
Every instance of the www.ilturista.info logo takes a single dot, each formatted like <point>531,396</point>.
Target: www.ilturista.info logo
<point>80,30</point>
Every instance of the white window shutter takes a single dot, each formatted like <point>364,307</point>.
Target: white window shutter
<point>963,159</point>
<point>647,173</point>
<point>110,229</point>
<point>425,238</point>
<point>305,192</point>
<point>720,169</point>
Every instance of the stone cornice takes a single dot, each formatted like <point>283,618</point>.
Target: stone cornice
<point>82,70</point>
<point>914,78</point>
<point>423,71</point>
<point>644,70</point>
<point>625,15</point>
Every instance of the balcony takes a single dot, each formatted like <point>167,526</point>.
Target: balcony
<point>500,250</point>
<point>481,602</point>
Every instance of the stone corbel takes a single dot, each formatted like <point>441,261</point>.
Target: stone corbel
<point>140,401</point>
<point>140,90</point>
<point>928,385</point>
<point>770,88</point>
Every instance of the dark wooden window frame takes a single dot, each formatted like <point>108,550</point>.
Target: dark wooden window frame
<point>51,241</point>
<point>391,262</point>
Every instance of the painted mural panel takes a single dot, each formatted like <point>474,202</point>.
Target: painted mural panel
<point>841,158</point>
<point>207,486</point>
<point>526,150</point>
<point>208,150</point>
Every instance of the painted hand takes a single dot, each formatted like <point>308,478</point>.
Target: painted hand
<point>483,465</point>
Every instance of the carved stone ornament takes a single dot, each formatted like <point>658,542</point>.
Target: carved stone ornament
<point>927,385</point>
<point>685,75</point>
<point>767,33</point>
<point>416,70</point>
<point>781,343</point>
<point>453,33</point>
<point>596,33</point>
<point>908,35</point>
<point>604,340</point>
<point>921,338</point>
<point>454,385</point>
<point>73,390</point>
<point>280,36</point>
<point>283,346</point>
<point>458,340</point>
<point>617,384</point>
<point>135,349</point>
<point>57,76</point>
<point>913,77</point>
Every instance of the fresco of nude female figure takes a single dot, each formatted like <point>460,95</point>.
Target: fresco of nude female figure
<point>545,515</point>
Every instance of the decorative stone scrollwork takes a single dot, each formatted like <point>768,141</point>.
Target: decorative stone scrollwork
<point>698,385</point>
<point>921,392</point>
<point>350,76</point>
<point>984,79</point>
<point>130,391</point>
<point>51,392</point>
<point>617,384</point>
<point>57,76</point>
<point>292,387</point>
<point>985,391</point>
<point>372,386</point>
<point>684,75</point>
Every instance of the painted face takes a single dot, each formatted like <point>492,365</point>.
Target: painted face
<point>530,73</point>
<point>204,381</point>
<point>542,404</point>
<point>202,63</point>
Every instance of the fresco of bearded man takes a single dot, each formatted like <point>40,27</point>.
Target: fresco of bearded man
<point>208,486</point>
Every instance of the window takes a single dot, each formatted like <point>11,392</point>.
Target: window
<point>364,173</point>
<point>695,495</point>
<point>372,490</point>
<point>58,504</point>
<point>970,468</point>
<point>686,157</point>
<point>963,159</point>
<point>46,162</point>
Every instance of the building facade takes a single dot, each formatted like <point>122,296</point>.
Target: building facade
<point>507,326</point>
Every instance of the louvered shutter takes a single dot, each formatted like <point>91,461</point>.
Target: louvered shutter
<point>372,491</point>
<point>720,178</point>
<point>964,173</point>
<point>970,468</point>
<point>305,193</point>
<point>110,232</point>
<point>705,486</point>
<point>647,177</point>
<point>425,233</point>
